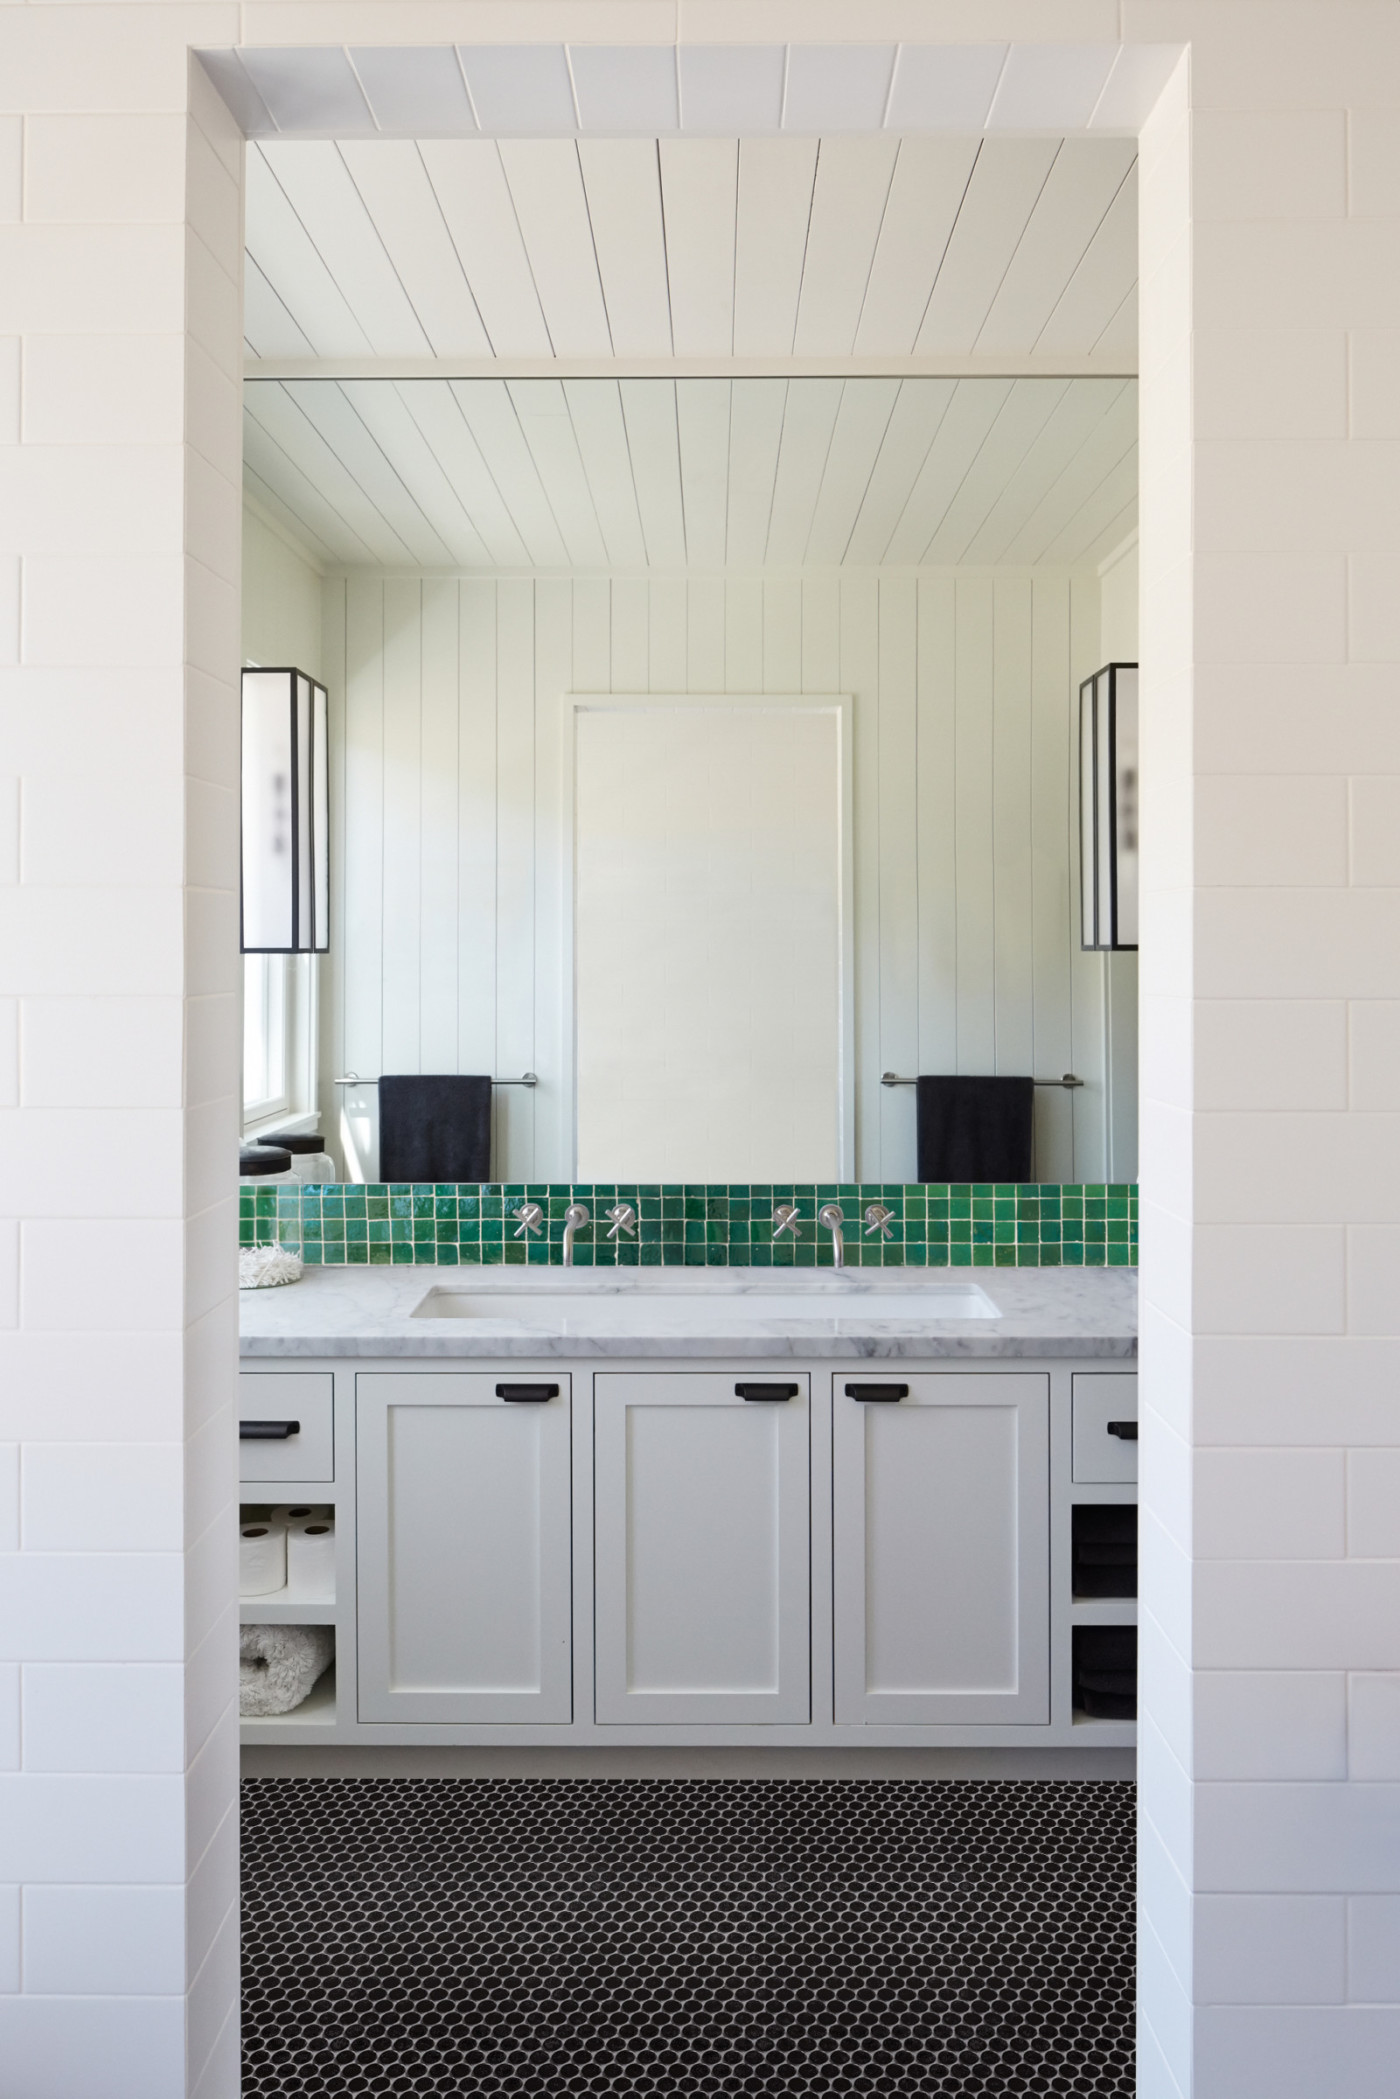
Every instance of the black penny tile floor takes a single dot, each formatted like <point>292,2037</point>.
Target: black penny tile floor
<point>686,1937</point>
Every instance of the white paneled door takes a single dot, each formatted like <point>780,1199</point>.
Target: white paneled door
<point>703,1597</point>
<point>941,1500</point>
<point>463,1558</point>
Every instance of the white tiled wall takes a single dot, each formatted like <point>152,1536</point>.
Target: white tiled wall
<point>119,574</point>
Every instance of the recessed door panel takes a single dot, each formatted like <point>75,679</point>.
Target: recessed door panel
<point>464,1529</point>
<point>942,1551</point>
<point>703,1595</point>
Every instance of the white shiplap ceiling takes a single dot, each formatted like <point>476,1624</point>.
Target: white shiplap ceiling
<point>592,473</point>
<point>1004,253</point>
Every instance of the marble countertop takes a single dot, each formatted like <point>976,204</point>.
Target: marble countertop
<point>1080,1312</point>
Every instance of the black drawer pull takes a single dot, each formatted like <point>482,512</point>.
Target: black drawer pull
<point>1125,1431</point>
<point>532,1394</point>
<point>771,1392</point>
<point>866,1393</point>
<point>267,1431</point>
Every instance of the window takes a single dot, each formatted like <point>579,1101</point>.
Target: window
<point>279,1038</point>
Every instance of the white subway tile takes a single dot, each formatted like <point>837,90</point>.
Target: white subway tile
<point>9,389</point>
<point>1373,620</point>
<point>9,610</point>
<point>131,64</point>
<point>91,942</point>
<point>83,829</point>
<point>1265,1724</point>
<point>212,1889</point>
<point>91,1387</point>
<point>100,1276</point>
<point>1374,1027</point>
<point>213,410</point>
<point>96,1716</point>
<point>1271,1949</point>
<point>1164,1896</point>
<point>105,170</point>
<point>102,390</point>
<point>10,791</point>
<point>85,1153</point>
<point>9,1053</point>
<point>1285,273</point>
<point>11,169</point>
<point>1271,382</point>
<point>104,1941</point>
<point>1373,1502</point>
<point>1161,1987</point>
<point>1280,829</point>
<point>1374,165</point>
<point>83,1829</point>
<point>9,1716</point>
<point>114,716</point>
<point>122,609</point>
<point>9,1272</point>
<point>1295,1839</point>
<point>213,1991</point>
<point>92,499</point>
<point>1335,1167</point>
<point>103,1497</point>
<point>1305,1391</point>
<point>1375,382</point>
<point>117,1607</point>
<point>1268,1505</point>
<point>1296,2052</point>
<point>1373,1949</point>
<point>211,836</point>
<point>1259,1054</point>
<point>1293,719</point>
<point>91,280</point>
<point>102,1052</point>
<point>9,1940</point>
<point>1268,164</point>
<point>221,2077</point>
<point>210,1579</point>
<point>213,1062</point>
<point>1375,823</point>
<point>211,1678</point>
<point>1270,608</point>
<point>1313,1615</point>
<point>1269,1279</point>
<point>1373,1301</point>
<point>1298,943</point>
<point>211,1783</point>
<point>94,2047</point>
<point>211,1257</point>
<point>1373,1725</point>
<point>9,1497</point>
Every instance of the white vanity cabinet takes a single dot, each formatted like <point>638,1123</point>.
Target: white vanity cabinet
<point>702,1595</point>
<point>463,1547</point>
<point>941,1548</point>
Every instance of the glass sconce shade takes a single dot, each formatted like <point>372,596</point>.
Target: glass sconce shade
<point>285,890</point>
<point>1108,807</point>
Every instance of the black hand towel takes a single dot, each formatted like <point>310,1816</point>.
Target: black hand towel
<point>434,1127</point>
<point>975,1129</point>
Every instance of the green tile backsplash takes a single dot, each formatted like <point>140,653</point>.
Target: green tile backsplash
<point>935,1224</point>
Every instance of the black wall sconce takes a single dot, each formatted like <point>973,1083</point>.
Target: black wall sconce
<point>285,887</point>
<point>1108,807</point>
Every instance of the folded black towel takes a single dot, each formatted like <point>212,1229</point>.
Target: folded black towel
<point>975,1129</point>
<point>434,1127</point>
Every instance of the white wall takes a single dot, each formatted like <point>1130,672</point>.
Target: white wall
<point>447,885</point>
<point>281,598</point>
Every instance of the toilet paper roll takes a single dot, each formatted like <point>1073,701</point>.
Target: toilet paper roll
<point>311,1558</point>
<point>289,1512</point>
<point>262,1558</point>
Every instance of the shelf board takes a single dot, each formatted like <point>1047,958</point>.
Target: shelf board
<point>1103,1610</point>
<point>1120,1733</point>
<point>287,1606</point>
<point>314,1712</point>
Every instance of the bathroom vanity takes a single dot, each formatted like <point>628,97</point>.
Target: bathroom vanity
<point>696,1506</point>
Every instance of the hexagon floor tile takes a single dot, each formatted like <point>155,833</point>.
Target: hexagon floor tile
<point>683,1938</point>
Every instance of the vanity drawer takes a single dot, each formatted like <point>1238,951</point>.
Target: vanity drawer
<point>303,1396</point>
<point>1105,1403</point>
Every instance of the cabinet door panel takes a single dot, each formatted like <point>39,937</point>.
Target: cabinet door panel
<point>703,1608</point>
<point>464,1530</point>
<point>942,1552</point>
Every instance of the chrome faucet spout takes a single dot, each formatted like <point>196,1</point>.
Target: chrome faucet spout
<point>832,1218</point>
<point>576,1219</point>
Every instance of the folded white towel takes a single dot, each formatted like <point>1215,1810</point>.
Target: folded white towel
<point>278,1665</point>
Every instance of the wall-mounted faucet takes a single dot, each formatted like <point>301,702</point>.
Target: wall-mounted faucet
<point>831,1218</point>
<point>786,1218</point>
<point>622,1218</point>
<point>576,1219</point>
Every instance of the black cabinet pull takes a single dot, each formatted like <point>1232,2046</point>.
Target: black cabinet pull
<point>770,1392</point>
<point>267,1431</point>
<point>866,1393</point>
<point>530,1393</point>
<point>1125,1431</point>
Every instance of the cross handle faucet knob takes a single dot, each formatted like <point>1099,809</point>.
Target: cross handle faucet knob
<point>877,1219</point>
<point>531,1217</point>
<point>623,1218</point>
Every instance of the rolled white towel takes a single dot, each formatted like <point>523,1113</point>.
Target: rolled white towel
<point>278,1665</point>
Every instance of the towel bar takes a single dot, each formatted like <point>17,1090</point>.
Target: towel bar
<point>1069,1081</point>
<point>352,1078</point>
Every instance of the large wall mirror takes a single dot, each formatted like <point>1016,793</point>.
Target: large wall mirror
<point>706,749</point>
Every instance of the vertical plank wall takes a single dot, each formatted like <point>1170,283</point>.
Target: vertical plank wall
<point>447,878</point>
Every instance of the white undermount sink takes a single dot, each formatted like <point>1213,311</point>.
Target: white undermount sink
<point>598,1308</point>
